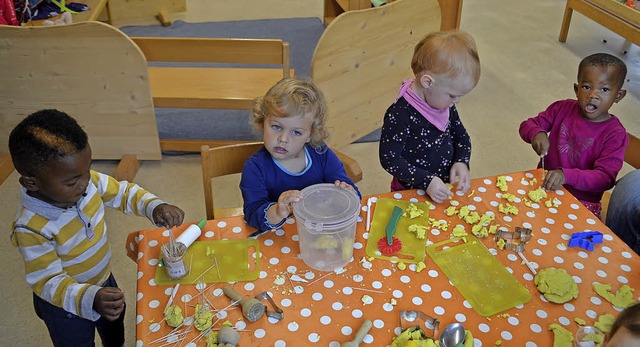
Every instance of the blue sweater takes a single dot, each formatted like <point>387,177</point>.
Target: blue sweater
<point>263,180</point>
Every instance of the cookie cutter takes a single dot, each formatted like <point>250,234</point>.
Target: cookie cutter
<point>515,240</point>
<point>408,317</point>
<point>586,239</point>
<point>277,312</point>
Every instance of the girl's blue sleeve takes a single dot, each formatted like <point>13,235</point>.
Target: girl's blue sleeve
<point>253,185</point>
<point>461,139</point>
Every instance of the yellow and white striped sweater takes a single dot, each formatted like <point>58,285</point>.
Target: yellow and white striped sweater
<point>65,251</point>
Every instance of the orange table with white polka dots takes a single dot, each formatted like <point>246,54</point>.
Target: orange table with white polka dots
<point>327,309</point>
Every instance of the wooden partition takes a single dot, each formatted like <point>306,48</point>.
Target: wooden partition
<point>361,59</point>
<point>90,70</point>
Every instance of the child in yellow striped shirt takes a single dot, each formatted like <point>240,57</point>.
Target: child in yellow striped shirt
<point>61,232</point>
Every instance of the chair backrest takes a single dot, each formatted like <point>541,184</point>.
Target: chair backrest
<point>222,161</point>
<point>90,70</point>
<point>632,154</point>
<point>361,59</point>
<point>216,50</point>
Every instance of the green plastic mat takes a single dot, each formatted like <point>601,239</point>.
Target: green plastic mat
<point>478,275</point>
<point>238,260</point>
<point>413,250</point>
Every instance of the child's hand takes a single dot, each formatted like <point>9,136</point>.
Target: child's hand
<point>109,302</point>
<point>344,185</point>
<point>285,201</point>
<point>460,172</point>
<point>168,215</point>
<point>438,191</point>
<point>553,180</point>
<point>540,143</point>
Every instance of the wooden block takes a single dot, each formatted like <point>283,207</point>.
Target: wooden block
<point>6,166</point>
<point>164,18</point>
<point>127,168</point>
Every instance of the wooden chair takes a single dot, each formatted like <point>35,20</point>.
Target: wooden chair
<point>222,161</point>
<point>368,50</point>
<point>631,157</point>
<point>229,159</point>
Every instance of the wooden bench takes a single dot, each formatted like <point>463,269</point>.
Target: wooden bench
<point>101,82</point>
<point>226,87</point>
<point>611,14</point>
<point>213,87</point>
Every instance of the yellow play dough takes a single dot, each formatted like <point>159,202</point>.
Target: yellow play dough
<point>561,336</point>
<point>508,209</point>
<point>325,242</point>
<point>412,212</point>
<point>203,317</point>
<point>173,316</point>
<point>537,194</point>
<point>212,339</point>
<point>509,197</point>
<point>556,285</point>
<point>458,231</point>
<point>604,322</point>
<point>579,321</point>
<point>450,211</point>
<point>501,183</point>
<point>419,230</point>
<point>472,217</point>
<point>412,337</point>
<point>623,297</point>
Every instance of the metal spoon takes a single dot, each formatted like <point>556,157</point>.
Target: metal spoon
<point>452,335</point>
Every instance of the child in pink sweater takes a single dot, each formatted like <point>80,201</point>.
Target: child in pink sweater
<point>582,145</point>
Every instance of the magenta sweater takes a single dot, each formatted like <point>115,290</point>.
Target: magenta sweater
<point>589,154</point>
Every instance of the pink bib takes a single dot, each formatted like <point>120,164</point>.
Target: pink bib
<point>439,118</point>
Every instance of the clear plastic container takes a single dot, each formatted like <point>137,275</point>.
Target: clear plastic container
<point>588,336</point>
<point>326,219</point>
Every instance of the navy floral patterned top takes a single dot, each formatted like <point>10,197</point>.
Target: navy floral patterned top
<point>414,151</point>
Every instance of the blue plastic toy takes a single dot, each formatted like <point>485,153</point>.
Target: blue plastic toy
<point>586,239</point>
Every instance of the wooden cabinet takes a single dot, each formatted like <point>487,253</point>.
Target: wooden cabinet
<point>451,10</point>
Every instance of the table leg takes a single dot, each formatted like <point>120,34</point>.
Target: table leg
<point>566,21</point>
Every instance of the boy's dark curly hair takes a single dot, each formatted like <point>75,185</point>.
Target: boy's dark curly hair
<point>43,136</point>
<point>605,60</point>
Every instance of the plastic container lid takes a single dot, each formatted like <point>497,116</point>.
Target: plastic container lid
<point>326,207</point>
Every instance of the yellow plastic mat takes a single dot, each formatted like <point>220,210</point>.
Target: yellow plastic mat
<point>413,250</point>
<point>238,260</point>
<point>478,275</point>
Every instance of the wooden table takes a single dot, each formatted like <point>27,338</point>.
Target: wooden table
<point>329,308</point>
<point>611,14</point>
<point>96,9</point>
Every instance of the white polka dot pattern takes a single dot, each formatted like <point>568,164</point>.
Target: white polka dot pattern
<point>330,306</point>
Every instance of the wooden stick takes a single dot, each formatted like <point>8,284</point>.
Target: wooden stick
<point>204,272</point>
<point>527,263</point>
<point>319,279</point>
<point>367,290</point>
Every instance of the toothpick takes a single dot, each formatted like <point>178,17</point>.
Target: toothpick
<point>368,214</point>
<point>173,295</point>
<point>204,272</point>
<point>319,279</point>
<point>527,263</point>
<point>215,258</point>
<point>367,290</point>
